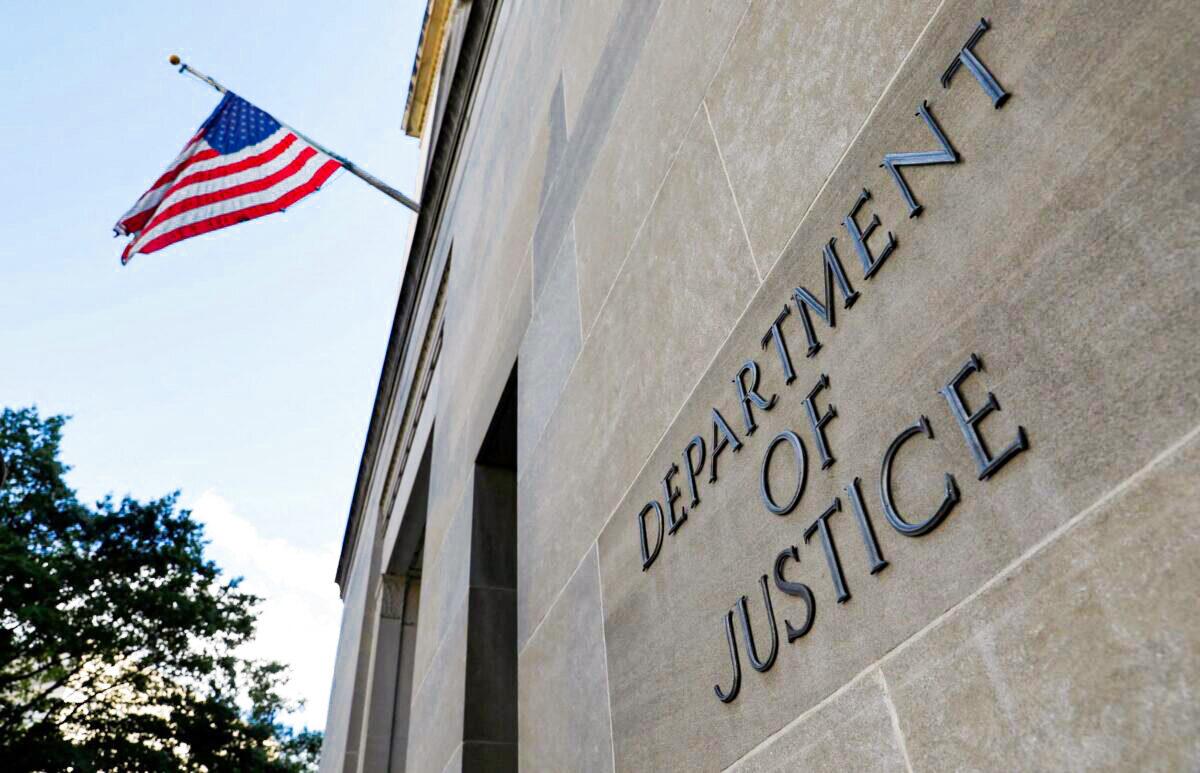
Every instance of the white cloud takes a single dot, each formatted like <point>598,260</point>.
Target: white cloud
<point>300,610</point>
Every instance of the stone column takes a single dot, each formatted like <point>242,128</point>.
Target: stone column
<point>380,701</point>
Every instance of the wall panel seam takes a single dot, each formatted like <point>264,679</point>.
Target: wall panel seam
<point>1050,538</point>
<point>717,351</point>
<point>650,456</point>
<point>769,740</point>
<point>453,752</point>
<point>437,647</point>
<point>604,303</point>
<point>579,301</point>
<point>650,208</point>
<point>612,743</point>
<point>558,595</point>
<point>862,127</point>
<point>732,193</point>
<point>895,718</point>
<point>996,579</point>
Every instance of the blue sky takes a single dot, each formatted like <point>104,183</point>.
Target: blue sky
<point>238,367</point>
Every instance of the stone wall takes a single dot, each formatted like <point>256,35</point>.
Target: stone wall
<point>643,187</point>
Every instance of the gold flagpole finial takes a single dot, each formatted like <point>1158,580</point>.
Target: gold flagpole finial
<point>174,59</point>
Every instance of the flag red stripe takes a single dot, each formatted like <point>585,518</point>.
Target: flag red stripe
<point>136,222</point>
<point>221,171</point>
<point>173,172</point>
<point>240,216</point>
<point>139,221</point>
<point>239,166</point>
<point>253,186</point>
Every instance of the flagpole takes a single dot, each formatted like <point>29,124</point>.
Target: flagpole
<point>346,163</point>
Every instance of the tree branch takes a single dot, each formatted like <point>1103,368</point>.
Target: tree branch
<point>15,712</point>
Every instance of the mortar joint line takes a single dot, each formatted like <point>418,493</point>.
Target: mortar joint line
<point>612,738</point>
<point>558,595</point>
<point>749,303</point>
<point>895,717</point>
<point>732,193</point>
<point>437,647</point>
<point>862,127</point>
<point>999,577</point>
<point>1071,523</point>
<point>578,297</point>
<point>449,759</point>
<point>604,303</point>
<point>670,165</point>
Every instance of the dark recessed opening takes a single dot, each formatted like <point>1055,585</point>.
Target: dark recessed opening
<point>490,713</point>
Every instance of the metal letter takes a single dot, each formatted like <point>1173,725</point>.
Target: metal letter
<point>966,56</point>
<point>692,467</point>
<point>865,528</point>
<point>751,650</point>
<point>870,263</point>
<point>947,155</point>
<point>885,487</point>
<point>749,394</point>
<point>648,555</point>
<point>969,422</point>
<point>818,422</point>
<point>721,427</point>
<point>795,589</point>
<point>776,335</point>
<point>727,697</point>
<point>806,300</point>
<point>801,473</point>
<point>670,496</point>
<point>831,554</point>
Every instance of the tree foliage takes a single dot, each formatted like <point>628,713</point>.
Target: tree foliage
<point>118,638</point>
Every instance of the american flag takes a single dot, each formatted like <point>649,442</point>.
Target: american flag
<point>242,164</point>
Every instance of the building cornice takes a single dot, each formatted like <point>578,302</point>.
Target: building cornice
<point>425,65</point>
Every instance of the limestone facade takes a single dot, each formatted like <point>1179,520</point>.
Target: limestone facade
<point>936,329</point>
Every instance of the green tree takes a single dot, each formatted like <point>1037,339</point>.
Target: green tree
<point>118,638</point>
